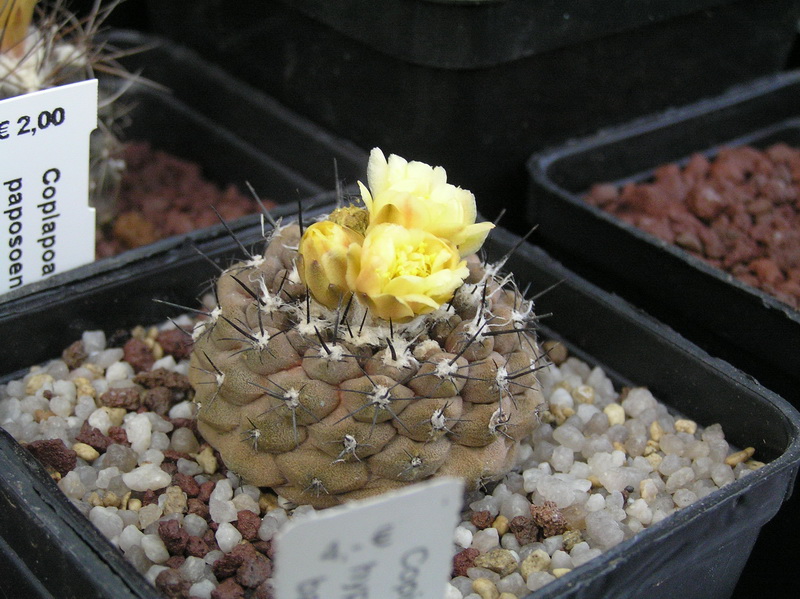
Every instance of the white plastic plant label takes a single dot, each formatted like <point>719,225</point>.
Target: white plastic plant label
<point>46,225</point>
<point>396,546</point>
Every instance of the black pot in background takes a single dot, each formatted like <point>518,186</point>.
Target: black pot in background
<point>478,87</point>
<point>698,553</point>
<point>259,120</point>
<point>740,323</point>
<point>729,319</point>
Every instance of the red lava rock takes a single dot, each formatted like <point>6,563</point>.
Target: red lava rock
<point>170,584</point>
<point>174,456</point>
<point>175,538</point>
<point>668,177</point>
<point>766,271</point>
<point>149,497</point>
<point>463,560</point>
<point>705,202</point>
<point>161,377</point>
<point>254,571</point>
<point>264,547</point>
<point>646,199</point>
<point>790,289</point>
<point>187,484</point>
<point>482,519</point>
<point>549,518</point>
<point>196,547</point>
<point>197,507</point>
<point>248,524</point>
<point>264,591</point>
<point>228,564</point>
<point>176,343</point>
<point>524,530</point>
<point>93,437</point>
<point>228,589</point>
<point>745,202</point>
<point>175,561</point>
<point>158,400</point>
<point>689,241</point>
<point>712,246</point>
<point>131,230</point>
<point>125,397</point>
<point>74,355</point>
<point>118,435</point>
<point>162,195</point>
<point>205,491</point>
<point>604,194</point>
<point>210,539</point>
<point>54,455</point>
<point>138,354</point>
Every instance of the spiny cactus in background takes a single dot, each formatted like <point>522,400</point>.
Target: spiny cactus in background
<point>47,46</point>
<point>369,350</point>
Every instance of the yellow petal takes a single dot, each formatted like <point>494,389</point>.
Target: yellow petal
<point>323,261</point>
<point>377,171</point>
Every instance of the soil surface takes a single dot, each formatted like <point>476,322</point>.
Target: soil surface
<point>739,212</point>
<point>162,196</point>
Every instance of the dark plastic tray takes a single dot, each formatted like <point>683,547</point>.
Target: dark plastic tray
<point>480,88</point>
<point>258,119</point>
<point>698,553</point>
<point>736,321</point>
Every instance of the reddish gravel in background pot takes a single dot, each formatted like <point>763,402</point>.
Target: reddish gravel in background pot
<point>739,212</point>
<point>163,196</point>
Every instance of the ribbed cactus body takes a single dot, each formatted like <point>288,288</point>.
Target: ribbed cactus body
<point>329,405</point>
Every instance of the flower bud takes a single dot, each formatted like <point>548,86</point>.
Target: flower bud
<point>322,261</point>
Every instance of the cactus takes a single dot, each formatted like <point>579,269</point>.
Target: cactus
<point>47,46</point>
<point>369,350</point>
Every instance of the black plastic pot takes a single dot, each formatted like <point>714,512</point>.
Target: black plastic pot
<point>479,86</point>
<point>729,319</point>
<point>198,115</point>
<point>736,321</point>
<point>302,148</point>
<point>48,549</point>
<point>697,553</point>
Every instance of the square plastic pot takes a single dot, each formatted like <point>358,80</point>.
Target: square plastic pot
<point>479,86</point>
<point>708,541</point>
<point>728,318</point>
<point>745,326</point>
<point>197,112</point>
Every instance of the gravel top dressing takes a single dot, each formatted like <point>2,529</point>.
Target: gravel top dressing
<point>162,195</point>
<point>114,423</point>
<point>739,211</point>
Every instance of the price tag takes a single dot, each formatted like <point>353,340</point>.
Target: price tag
<point>396,546</point>
<point>46,225</point>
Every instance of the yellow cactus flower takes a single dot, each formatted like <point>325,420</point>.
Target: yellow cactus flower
<point>322,261</point>
<point>15,17</point>
<point>418,196</point>
<point>400,273</point>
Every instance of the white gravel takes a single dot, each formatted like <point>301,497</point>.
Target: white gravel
<point>613,465</point>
